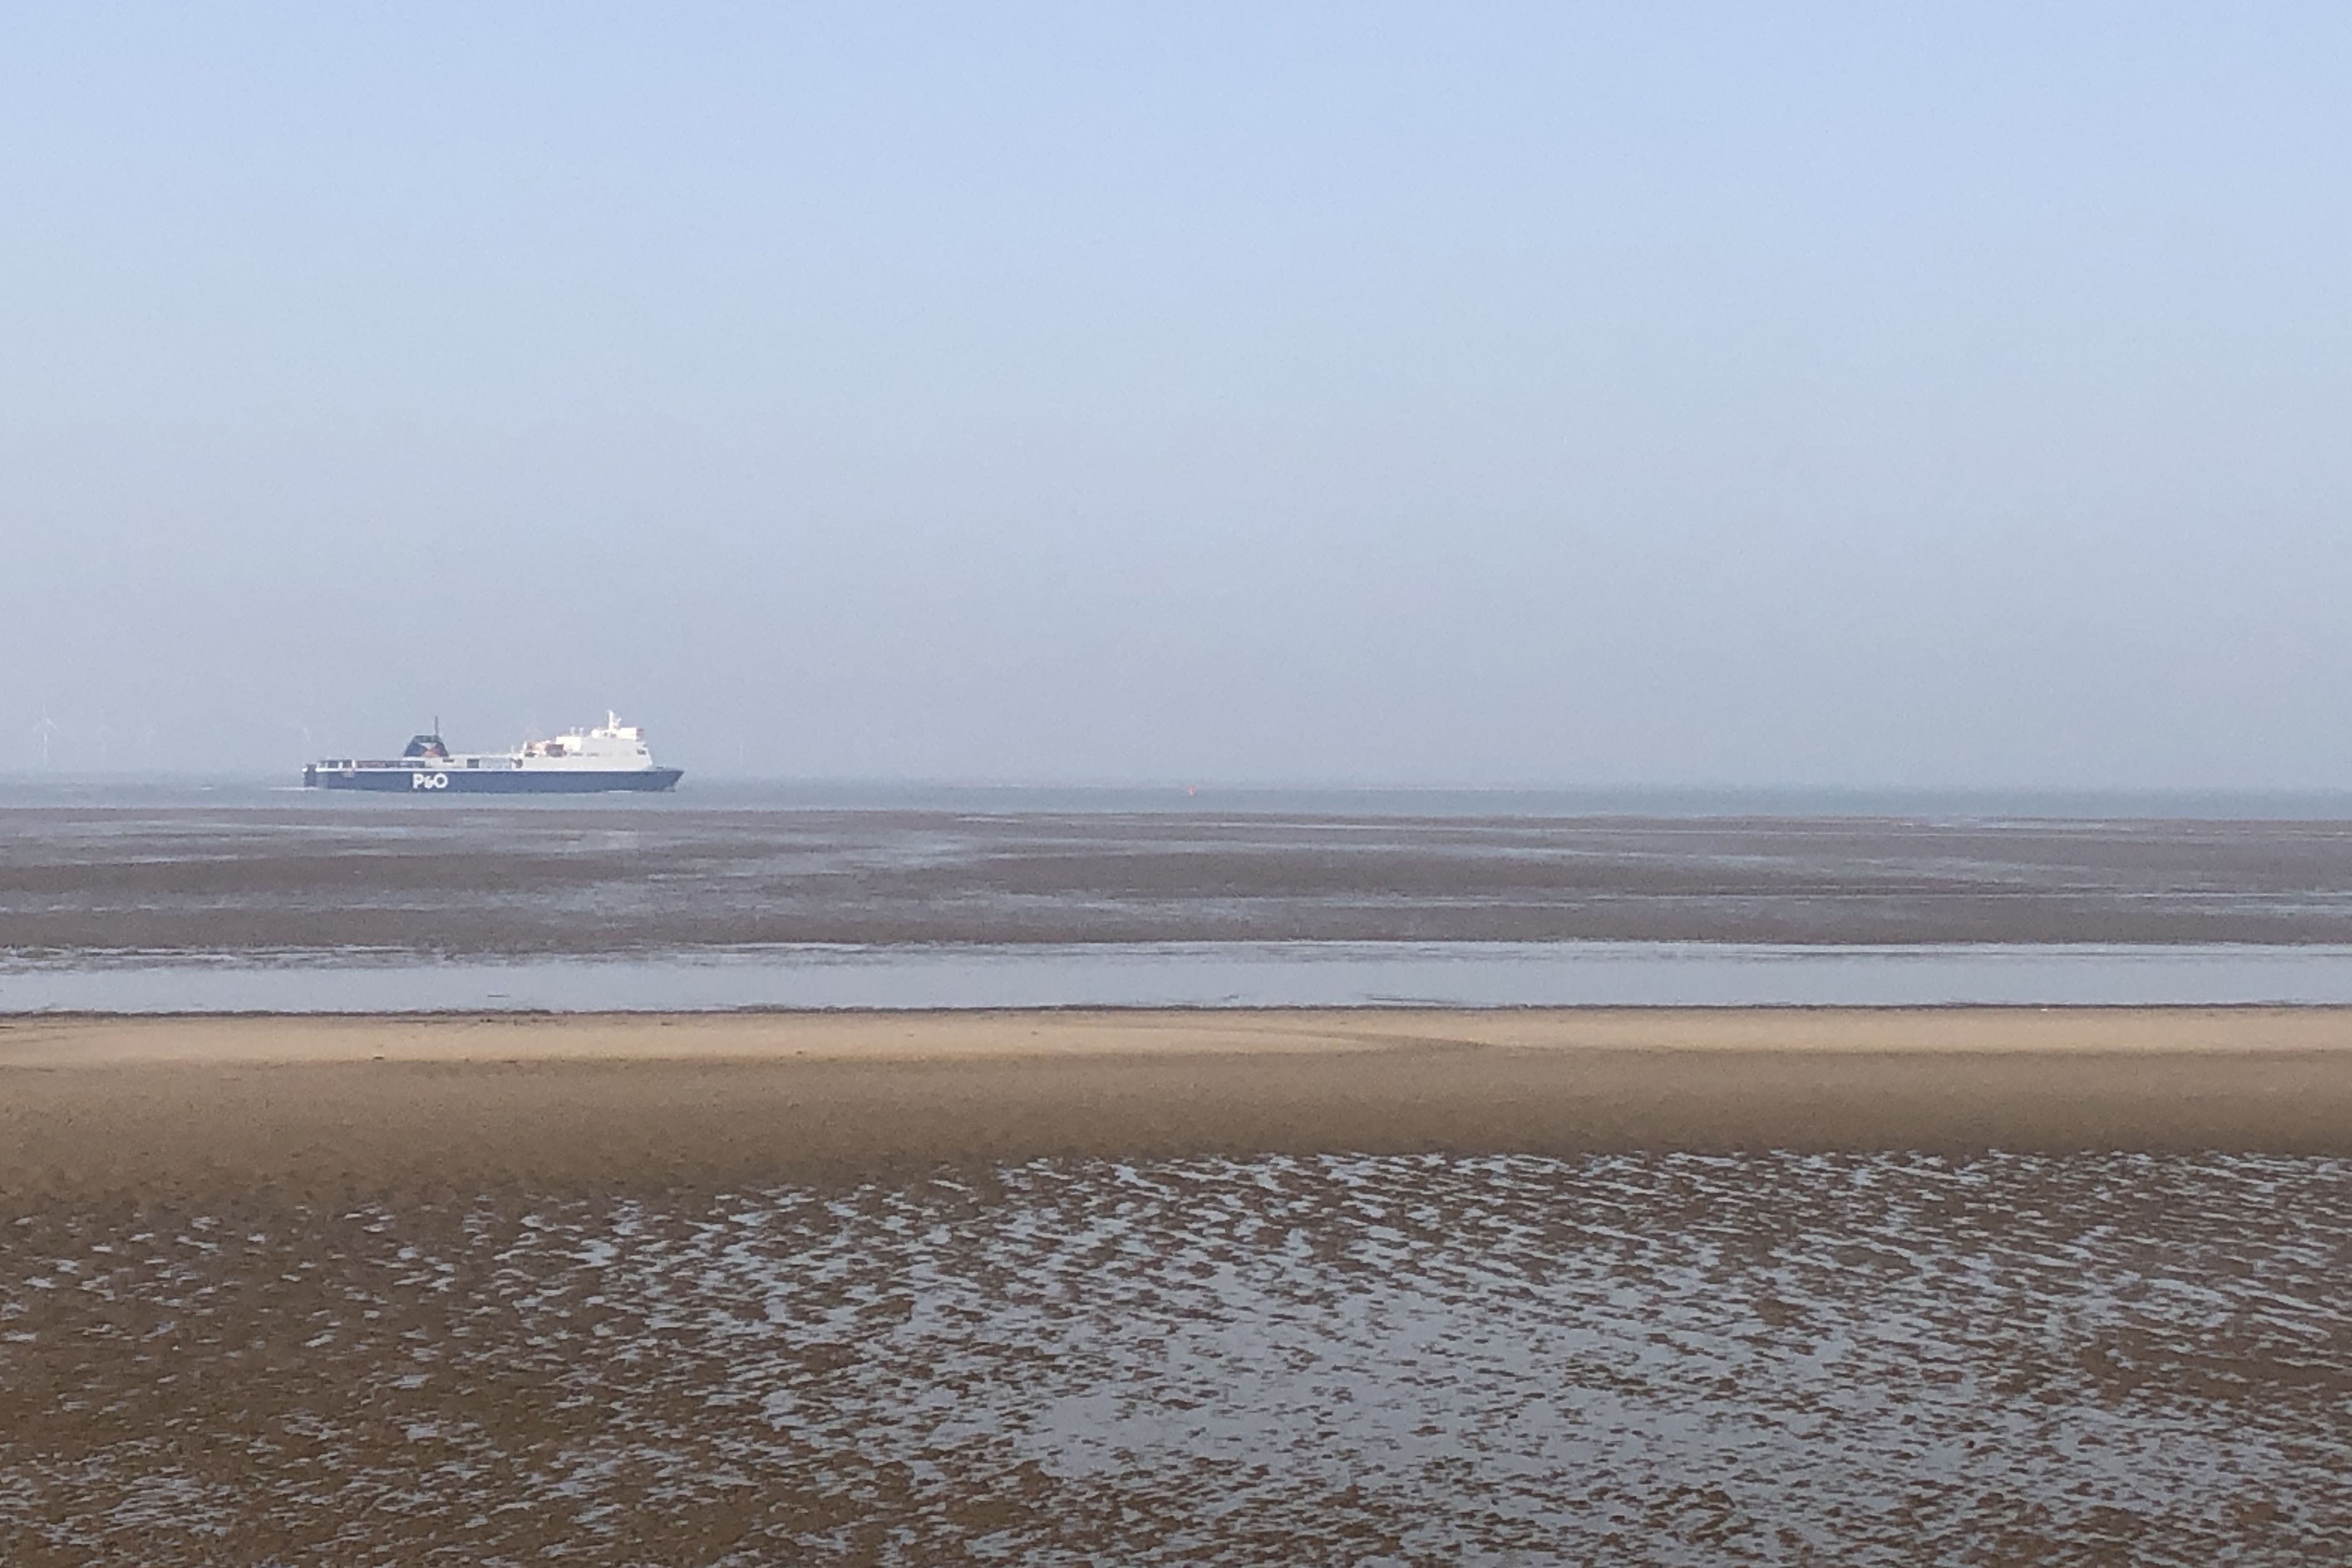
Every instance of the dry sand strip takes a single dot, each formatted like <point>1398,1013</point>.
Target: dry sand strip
<point>314,1105</point>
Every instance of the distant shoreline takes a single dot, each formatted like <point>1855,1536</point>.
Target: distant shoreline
<point>35,789</point>
<point>309,1108</point>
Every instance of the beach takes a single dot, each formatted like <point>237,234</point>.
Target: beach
<point>108,1105</point>
<point>1389,1285</point>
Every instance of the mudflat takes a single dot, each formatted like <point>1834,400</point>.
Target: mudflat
<point>303,1106</point>
<point>387,878</point>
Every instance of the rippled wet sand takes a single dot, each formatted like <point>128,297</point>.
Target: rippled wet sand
<point>450,880</point>
<point>1663,1358</point>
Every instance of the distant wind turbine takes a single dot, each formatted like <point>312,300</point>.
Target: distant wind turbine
<point>42,733</point>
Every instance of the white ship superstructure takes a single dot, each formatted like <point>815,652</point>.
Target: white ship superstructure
<point>611,756</point>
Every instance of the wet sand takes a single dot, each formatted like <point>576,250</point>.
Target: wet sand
<point>1641,1287</point>
<point>451,880</point>
<point>307,1106</point>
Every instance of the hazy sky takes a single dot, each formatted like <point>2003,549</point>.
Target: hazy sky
<point>1568,394</point>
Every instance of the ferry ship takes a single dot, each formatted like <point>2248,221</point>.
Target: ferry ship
<point>611,757</point>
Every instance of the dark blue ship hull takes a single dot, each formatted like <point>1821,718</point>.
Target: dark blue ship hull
<point>421,780</point>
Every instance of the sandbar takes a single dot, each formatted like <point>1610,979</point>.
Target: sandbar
<point>313,1106</point>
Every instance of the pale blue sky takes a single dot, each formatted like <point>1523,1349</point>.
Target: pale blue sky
<point>1584,395</point>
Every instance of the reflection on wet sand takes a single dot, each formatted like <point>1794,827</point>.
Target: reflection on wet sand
<point>487,881</point>
<point>1633,1358</point>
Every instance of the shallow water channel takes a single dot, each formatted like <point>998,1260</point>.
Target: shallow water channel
<point>1205,975</point>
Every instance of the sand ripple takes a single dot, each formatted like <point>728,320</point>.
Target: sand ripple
<point>1629,1359</point>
